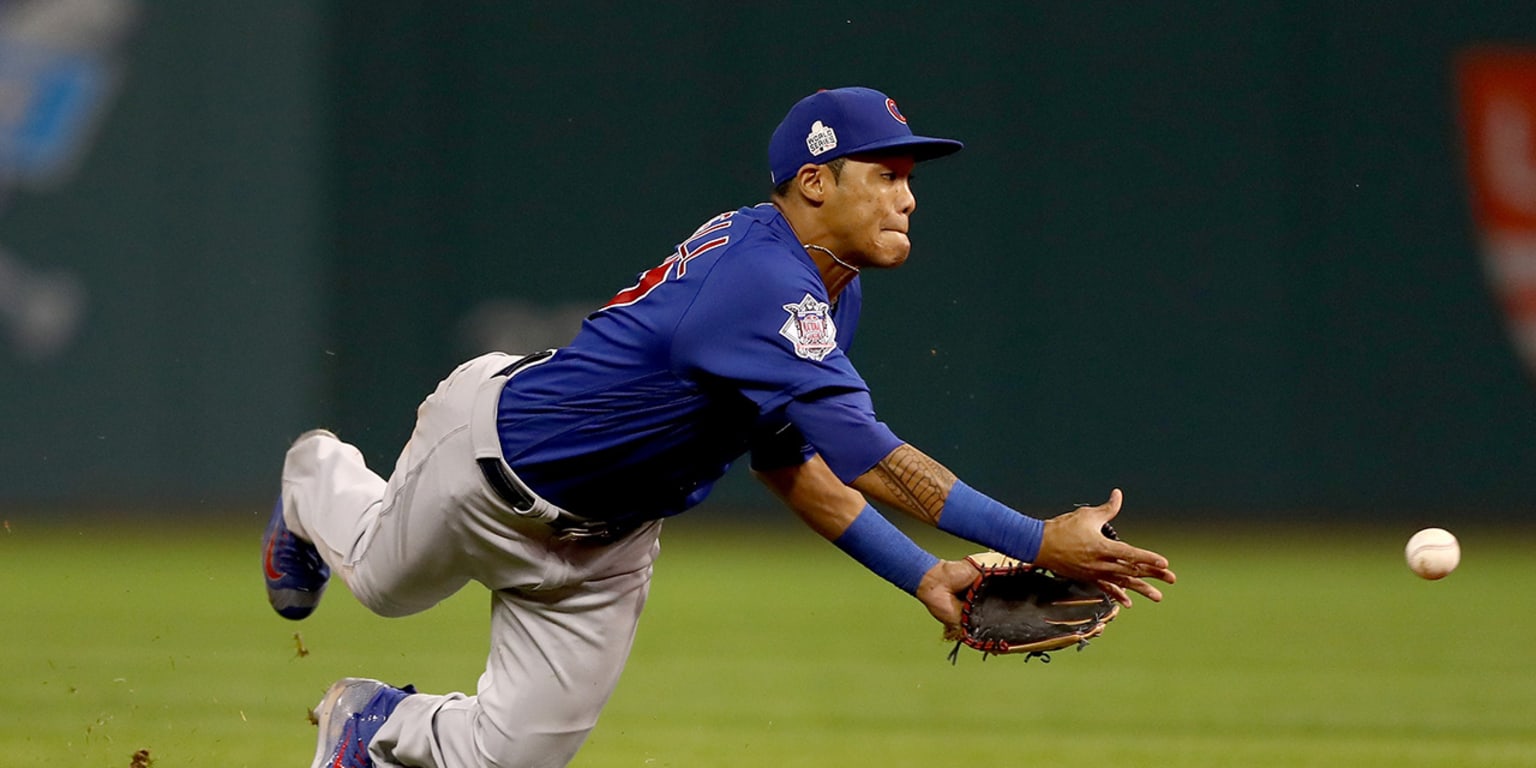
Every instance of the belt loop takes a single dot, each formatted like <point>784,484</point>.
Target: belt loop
<point>485,438</point>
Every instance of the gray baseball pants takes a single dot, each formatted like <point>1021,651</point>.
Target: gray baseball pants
<point>563,614</point>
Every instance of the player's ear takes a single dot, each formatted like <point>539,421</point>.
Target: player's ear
<point>812,180</point>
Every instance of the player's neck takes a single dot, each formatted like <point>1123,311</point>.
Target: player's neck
<point>836,273</point>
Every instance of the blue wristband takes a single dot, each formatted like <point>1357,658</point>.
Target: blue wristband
<point>884,549</point>
<point>976,517</point>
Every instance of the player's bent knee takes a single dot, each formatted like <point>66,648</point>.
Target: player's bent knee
<point>384,602</point>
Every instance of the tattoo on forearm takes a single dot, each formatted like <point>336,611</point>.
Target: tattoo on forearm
<point>916,482</point>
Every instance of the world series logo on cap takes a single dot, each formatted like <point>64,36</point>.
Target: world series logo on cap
<point>821,139</point>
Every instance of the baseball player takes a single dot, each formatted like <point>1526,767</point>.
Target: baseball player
<point>546,477</point>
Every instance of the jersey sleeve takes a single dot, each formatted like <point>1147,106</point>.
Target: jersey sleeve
<point>842,428</point>
<point>780,448</point>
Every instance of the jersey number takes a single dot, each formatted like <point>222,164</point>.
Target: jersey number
<point>707,238</point>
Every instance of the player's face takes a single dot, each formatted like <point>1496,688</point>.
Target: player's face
<point>869,209</point>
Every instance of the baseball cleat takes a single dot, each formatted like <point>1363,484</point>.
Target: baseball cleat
<point>295,574</point>
<point>350,715</point>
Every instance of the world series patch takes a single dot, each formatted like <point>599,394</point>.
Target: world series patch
<point>810,328</point>
<point>821,139</point>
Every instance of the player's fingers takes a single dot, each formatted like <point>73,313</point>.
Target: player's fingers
<point>1116,592</point>
<point>1134,576</point>
<point>1105,512</point>
<point>1136,556</point>
<point>1147,571</point>
<point>1116,498</point>
<point>1140,586</point>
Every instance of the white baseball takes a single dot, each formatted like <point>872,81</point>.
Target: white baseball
<point>1433,553</point>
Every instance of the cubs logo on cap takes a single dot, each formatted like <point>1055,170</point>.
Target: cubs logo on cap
<point>845,121</point>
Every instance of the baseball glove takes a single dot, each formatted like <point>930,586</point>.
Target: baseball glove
<point>1015,607</point>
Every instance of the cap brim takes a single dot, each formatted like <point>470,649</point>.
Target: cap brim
<point>920,147</point>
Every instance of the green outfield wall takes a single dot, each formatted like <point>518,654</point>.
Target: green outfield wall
<point>1222,256</point>
<point>194,229</point>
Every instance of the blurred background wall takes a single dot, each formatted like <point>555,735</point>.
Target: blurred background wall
<point>1222,255</point>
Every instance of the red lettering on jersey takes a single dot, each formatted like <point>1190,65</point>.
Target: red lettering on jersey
<point>685,253</point>
<point>649,279</point>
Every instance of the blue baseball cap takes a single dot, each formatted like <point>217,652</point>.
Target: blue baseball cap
<point>827,125</point>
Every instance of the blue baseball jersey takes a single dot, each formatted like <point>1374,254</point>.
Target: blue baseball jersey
<point>730,345</point>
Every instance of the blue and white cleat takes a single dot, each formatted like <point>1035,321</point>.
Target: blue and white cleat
<point>350,715</point>
<point>296,576</point>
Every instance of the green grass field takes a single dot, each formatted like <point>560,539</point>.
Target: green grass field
<point>769,648</point>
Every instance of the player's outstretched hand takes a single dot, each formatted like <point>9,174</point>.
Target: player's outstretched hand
<point>940,587</point>
<point>1074,546</point>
